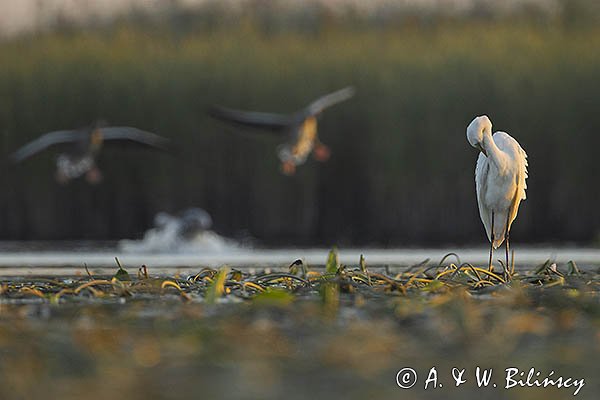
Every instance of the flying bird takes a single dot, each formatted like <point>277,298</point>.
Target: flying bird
<point>298,128</point>
<point>500,177</point>
<point>81,148</point>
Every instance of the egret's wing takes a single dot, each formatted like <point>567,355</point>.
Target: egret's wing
<point>329,100</point>
<point>523,173</point>
<point>517,160</point>
<point>134,136</point>
<point>521,181</point>
<point>273,122</point>
<point>515,156</point>
<point>45,141</point>
<point>481,172</point>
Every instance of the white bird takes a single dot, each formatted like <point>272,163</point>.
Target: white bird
<point>500,177</point>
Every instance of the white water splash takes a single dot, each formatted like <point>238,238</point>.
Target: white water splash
<point>188,232</point>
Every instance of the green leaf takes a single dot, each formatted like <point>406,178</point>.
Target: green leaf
<point>573,269</point>
<point>330,296</point>
<point>363,267</point>
<point>273,298</point>
<point>433,286</point>
<point>332,265</point>
<point>217,287</point>
<point>121,274</point>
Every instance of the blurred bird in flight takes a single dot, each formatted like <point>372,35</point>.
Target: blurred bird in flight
<point>81,148</point>
<point>298,128</point>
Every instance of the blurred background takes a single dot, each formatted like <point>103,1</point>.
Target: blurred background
<point>401,171</point>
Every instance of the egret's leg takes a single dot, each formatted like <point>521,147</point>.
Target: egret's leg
<point>506,266</point>
<point>491,244</point>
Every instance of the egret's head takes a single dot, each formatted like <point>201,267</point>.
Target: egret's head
<point>476,129</point>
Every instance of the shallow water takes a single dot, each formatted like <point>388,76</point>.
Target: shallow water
<point>68,258</point>
<point>322,338</point>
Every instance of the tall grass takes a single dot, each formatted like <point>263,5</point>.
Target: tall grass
<point>401,170</point>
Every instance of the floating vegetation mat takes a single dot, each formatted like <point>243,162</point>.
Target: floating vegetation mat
<point>334,332</point>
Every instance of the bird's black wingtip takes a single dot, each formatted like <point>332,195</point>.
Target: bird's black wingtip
<point>13,159</point>
<point>216,111</point>
<point>171,149</point>
<point>165,145</point>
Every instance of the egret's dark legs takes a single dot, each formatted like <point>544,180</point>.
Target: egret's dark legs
<point>491,244</point>
<point>506,237</point>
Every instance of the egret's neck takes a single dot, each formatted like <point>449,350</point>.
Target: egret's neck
<point>492,151</point>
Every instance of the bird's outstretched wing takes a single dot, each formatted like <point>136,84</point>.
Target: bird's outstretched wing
<point>329,100</point>
<point>43,142</point>
<point>269,121</point>
<point>135,136</point>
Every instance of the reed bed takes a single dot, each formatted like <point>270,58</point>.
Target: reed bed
<point>397,146</point>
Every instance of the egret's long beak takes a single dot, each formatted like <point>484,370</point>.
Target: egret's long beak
<point>481,149</point>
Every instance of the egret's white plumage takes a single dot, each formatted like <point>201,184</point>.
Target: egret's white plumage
<point>500,177</point>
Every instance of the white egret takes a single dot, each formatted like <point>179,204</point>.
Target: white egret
<point>500,177</point>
